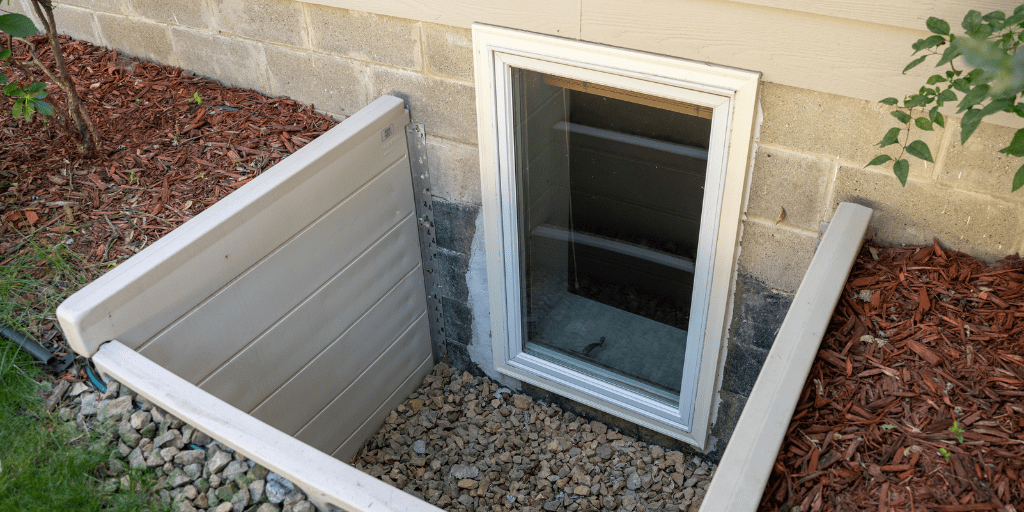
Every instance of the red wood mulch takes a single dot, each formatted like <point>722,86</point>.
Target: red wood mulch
<point>921,338</point>
<point>164,159</point>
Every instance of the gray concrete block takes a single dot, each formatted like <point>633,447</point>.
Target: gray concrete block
<point>758,313</point>
<point>237,62</point>
<point>19,7</point>
<point>449,51</point>
<point>332,84</point>
<point>446,107</point>
<point>458,357</point>
<point>271,21</point>
<point>788,181</point>
<point>192,13</point>
<point>777,257</point>
<point>729,410</point>
<point>454,170</point>
<point>833,126</point>
<point>143,39</point>
<point>742,366</point>
<point>985,227</point>
<point>979,166</point>
<point>458,322</point>
<point>452,268</point>
<point>78,23</point>
<point>111,6</point>
<point>365,36</point>
<point>455,225</point>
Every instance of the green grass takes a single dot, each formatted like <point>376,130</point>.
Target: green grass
<point>50,465</point>
<point>47,464</point>
<point>36,280</point>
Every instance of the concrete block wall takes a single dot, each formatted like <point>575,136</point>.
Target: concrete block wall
<point>809,152</point>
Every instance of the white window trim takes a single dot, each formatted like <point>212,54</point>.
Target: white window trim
<point>732,93</point>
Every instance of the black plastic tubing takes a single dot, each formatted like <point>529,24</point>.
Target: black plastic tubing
<point>27,344</point>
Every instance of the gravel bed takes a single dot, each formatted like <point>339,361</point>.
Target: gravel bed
<point>465,443</point>
<point>194,472</point>
<point>460,442</point>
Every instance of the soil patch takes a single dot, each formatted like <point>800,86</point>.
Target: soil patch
<point>915,400</point>
<point>173,144</point>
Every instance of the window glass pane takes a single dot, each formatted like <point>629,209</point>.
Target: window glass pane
<point>610,186</point>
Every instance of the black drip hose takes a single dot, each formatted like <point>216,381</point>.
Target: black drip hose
<point>27,344</point>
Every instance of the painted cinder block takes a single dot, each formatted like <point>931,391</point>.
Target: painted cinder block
<point>449,51</point>
<point>143,39</point>
<point>446,107</point>
<point>454,170</point>
<point>776,256</point>
<point>111,6</point>
<point>237,62</point>
<point>331,84</point>
<point>984,227</point>
<point>365,36</point>
<point>271,21</point>
<point>75,22</point>
<point>195,13</point>
<point>833,126</point>
<point>978,166</point>
<point>789,181</point>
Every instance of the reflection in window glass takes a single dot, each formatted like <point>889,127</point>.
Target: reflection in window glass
<point>610,189</point>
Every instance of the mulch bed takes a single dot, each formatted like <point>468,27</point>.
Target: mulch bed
<point>164,158</point>
<point>922,338</point>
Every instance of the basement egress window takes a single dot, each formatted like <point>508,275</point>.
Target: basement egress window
<point>612,188</point>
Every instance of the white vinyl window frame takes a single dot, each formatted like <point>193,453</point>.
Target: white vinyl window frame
<point>732,95</point>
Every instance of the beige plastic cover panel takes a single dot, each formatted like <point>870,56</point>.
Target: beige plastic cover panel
<point>747,462</point>
<point>298,298</point>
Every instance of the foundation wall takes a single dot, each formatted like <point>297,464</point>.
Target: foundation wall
<point>809,151</point>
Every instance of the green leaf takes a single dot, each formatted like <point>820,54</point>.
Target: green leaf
<point>901,169</point>
<point>981,33</point>
<point>879,160</point>
<point>934,79</point>
<point>937,26</point>
<point>951,53</point>
<point>936,117</point>
<point>12,89</point>
<point>1016,147</point>
<point>961,84</point>
<point>1018,179</point>
<point>924,123</point>
<point>43,107</point>
<point>974,97</point>
<point>972,20</point>
<point>889,101</point>
<point>17,109</point>
<point>5,54</point>
<point>891,137</point>
<point>35,87</point>
<point>902,116</point>
<point>917,100</point>
<point>3,79</point>
<point>17,25</point>
<point>929,42</point>
<point>914,63</point>
<point>994,16</point>
<point>29,110</point>
<point>920,149</point>
<point>947,95</point>
<point>969,123</point>
<point>996,106</point>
